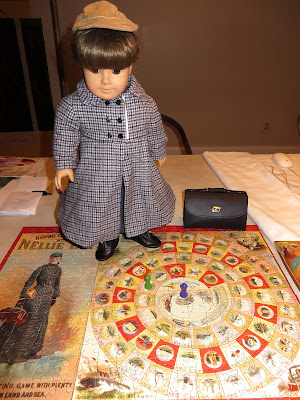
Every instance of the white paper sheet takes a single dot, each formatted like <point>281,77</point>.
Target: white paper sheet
<point>21,203</point>
<point>18,197</point>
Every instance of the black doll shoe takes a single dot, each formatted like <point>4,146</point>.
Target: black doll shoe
<point>106,249</point>
<point>146,239</point>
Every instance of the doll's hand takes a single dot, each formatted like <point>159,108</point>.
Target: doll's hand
<point>61,173</point>
<point>162,161</point>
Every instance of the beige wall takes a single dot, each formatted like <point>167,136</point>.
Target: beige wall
<point>222,68</point>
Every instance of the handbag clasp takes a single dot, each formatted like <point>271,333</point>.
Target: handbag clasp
<point>216,209</point>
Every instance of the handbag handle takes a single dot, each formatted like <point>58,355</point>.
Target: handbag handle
<point>215,190</point>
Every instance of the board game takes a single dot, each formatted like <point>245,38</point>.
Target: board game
<point>290,254</point>
<point>234,335</point>
<point>208,315</point>
<point>19,166</point>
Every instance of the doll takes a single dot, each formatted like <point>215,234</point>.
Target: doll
<point>107,136</point>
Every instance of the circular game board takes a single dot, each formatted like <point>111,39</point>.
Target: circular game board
<point>235,332</point>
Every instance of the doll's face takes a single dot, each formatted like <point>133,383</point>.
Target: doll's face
<point>106,83</point>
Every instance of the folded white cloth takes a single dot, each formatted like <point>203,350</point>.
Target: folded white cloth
<point>272,206</point>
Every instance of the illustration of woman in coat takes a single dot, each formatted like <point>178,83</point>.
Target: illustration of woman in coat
<point>114,185</point>
<point>19,343</point>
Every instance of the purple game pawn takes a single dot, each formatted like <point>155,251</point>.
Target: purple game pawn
<point>183,293</point>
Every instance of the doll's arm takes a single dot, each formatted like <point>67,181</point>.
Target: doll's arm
<point>157,138</point>
<point>66,139</point>
<point>61,173</point>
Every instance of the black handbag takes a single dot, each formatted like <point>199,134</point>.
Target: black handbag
<point>215,208</point>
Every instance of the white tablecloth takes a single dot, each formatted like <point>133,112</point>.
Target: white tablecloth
<point>272,205</point>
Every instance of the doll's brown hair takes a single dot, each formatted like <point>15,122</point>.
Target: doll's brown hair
<point>99,48</point>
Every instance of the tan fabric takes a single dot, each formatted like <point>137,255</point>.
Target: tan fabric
<point>103,14</point>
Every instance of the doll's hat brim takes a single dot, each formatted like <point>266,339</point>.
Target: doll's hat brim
<point>103,14</point>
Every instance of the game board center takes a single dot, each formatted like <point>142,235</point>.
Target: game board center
<point>194,304</point>
<point>195,309</point>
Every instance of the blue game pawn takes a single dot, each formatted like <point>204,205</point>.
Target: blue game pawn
<point>183,293</point>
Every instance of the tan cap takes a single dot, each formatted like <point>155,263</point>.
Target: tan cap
<point>103,14</point>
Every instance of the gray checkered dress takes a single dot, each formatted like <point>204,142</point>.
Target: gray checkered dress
<point>89,209</point>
